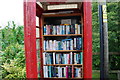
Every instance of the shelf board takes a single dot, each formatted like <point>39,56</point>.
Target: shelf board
<point>63,65</point>
<point>62,35</point>
<point>63,51</point>
<point>61,15</point>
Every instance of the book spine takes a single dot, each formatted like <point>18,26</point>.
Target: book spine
<point>47,45</point>
<point>81,58</point>
<point>53,58</point>
<point>44,45</point>
<point>66,71</point>
<point>79,31</point>
<point>74,43</point>
<point>46,71</point>
<point>72,71</point>
<point>44,30</point>
<point>76,28</point>
<point>71,60</point>
<point>49,67</point>
<point>44,59</point>
<point>74,58</point>
<point>71,44</point>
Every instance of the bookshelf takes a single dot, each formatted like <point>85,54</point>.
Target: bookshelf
<point>35,62</point>
<point>66,60</point>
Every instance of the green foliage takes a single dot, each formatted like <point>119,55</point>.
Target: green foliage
<point>11,35</point>
<point>113,11</point>
<point>113,27</point>
<point>12,54</point>
<point>114,62</point>
<point>13,69</point>
<point>95,28</point>
<point>96,62</point>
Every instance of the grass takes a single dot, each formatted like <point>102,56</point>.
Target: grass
<point>96,75</point>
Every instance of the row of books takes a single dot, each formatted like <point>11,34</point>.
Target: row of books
<point>62,58</point>
<point>65,44</point>
<point>61,29</point>
<point>66,72</point>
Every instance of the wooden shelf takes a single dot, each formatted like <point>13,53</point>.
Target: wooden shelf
<point>61,15</point>
<point>62,35</point>
<point>63,65</point>
<point>63,51</point>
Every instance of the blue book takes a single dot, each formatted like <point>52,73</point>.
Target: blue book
<point>78,44</point>
<point>81,58</point>
<point>44,30</point>
<point>49,71</point>
<point>80,40</point>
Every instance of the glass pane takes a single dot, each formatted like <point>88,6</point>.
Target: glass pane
<point>37,21</point>
<point>37,44</point>
<point>38,62</point>
<point>37,33</point>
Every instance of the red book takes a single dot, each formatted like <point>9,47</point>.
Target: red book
<point>66,71</point>
<point>72,71</point>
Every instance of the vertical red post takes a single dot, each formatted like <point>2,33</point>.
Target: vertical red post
<point>30,38</point>
<point>87,67</point>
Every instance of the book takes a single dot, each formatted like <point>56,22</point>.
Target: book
<point>62,29</point>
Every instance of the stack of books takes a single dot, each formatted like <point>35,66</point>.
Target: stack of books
<point>62,72</point>
<point>61,29</point>
<point>65,44</point>
<point>62,58</point>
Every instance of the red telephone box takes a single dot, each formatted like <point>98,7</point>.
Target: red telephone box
<point>33,9</point>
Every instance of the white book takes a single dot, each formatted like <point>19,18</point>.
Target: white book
<point>71,57</point>
<point>44,69</point>
<point>75,58</point>
<point>44,45</point>
<point>67,45</point>
<point>79,72</point>
<point>53,57</point>
<point>44,59</point>
<point>75,43</point>
<point>64,71</point>
<point>76,28</point>
<point>58,71</point>
<point>65,58</point>
<point>79,29</point>
<point>47,45</point>
<point>60,29</point>
<point>71,44</point>
<point>50,44</point>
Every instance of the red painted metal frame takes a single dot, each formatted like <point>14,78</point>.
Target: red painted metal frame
<point>87,61</point>
<point>30,39</point>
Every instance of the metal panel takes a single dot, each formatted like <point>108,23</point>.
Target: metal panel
<point>30,38</point>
